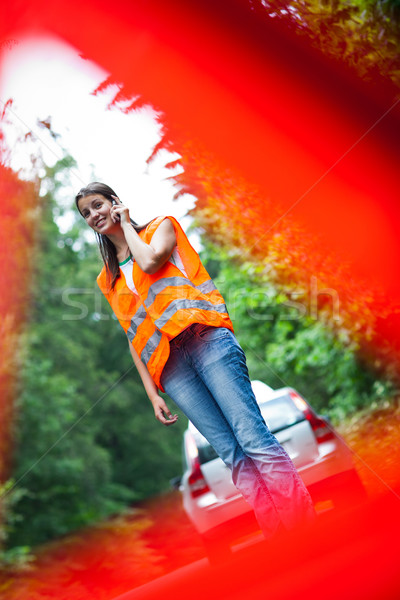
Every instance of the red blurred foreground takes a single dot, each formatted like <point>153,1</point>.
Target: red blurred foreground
<point>156,552</point>
<point>16,241</point>
<point>348,555</point>
<point>317,142</point>
<point>355,556</point>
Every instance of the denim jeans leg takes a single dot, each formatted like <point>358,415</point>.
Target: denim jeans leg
<point>207,378</point>
<point>221,364</point>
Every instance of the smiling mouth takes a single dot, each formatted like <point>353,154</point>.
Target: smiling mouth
<point>100,223</point>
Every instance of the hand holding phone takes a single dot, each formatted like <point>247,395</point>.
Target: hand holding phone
<point>120,213</point>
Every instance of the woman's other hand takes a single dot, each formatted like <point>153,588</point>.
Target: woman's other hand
<point>162,412</point>
<point>119,212</point>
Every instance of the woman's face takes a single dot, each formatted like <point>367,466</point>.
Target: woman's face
<point>95,209</point>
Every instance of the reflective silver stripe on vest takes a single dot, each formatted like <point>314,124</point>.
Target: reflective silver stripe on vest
<point>159,285</point>
<point>205,288</point>
<point>136,320</point>
<point>150,346</point>
<point>178,304</point>
<point>187,303</point>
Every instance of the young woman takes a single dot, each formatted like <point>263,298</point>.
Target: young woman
<point>182,342</point>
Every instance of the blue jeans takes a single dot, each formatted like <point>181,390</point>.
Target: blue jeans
<point>207,378</point>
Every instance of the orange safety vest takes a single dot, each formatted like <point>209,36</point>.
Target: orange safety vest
<point>166,303</point>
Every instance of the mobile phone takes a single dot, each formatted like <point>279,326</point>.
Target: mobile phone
<point>114,202</point>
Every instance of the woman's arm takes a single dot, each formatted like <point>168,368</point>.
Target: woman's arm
<point>161,410</point>
<point>149,257</point>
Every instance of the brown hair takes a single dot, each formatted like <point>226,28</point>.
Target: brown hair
<point>107,249</point>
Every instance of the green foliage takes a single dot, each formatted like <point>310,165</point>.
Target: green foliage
<point>286,346</point>
<point>18,557</point>
<point>364,34</point>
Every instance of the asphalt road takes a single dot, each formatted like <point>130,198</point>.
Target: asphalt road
<point>352,555</point>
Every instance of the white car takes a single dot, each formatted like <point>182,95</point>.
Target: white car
<point>217,509</point>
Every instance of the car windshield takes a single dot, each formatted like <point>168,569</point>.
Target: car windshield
<point>278,413</point>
